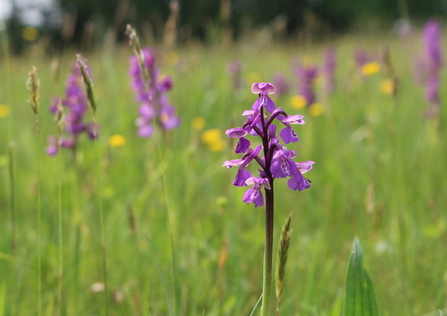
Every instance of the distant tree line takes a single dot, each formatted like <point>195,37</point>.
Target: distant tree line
<point>200,19</point>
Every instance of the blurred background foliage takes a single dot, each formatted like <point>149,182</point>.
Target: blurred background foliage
<point>86,23</point>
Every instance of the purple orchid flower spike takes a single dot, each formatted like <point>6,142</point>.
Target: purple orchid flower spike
<point>329,71</point>
<point>274,161</point>
<point>281,84</point>
<point>278,160</point>
<point>433,63</point>
<point>306,77</point>
<point>70,112</point>
<point>151,92</point>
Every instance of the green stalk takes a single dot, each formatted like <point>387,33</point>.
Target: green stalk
<point>12,210</point>
<point>12,199</point>
<point>13,218</point>
<point>268,254</point>
<point>60,240</point>
<point>39,228</point>
<point>170,228</point>
<point>33,85</point>
<point>101,214</point>
<point>92,104</point>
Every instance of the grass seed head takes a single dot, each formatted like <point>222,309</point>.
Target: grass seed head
<point>281,259</point>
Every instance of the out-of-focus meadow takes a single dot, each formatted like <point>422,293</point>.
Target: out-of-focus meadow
<point>379,174</point>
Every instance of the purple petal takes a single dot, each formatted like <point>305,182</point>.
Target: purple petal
<point>147,111</point>
<point>248,112</point>
<point>282,167</point>
<point>52,149</point>
<point>268,104</point>
<point>294,119</point>
<point>254,195</point>
<point>298,182</point>
<point>288,135</point>
<point>145,131</point>
<point>233,163</point>
<point>242,145</point>
<point>66,142</point>
<point>236,132</point>
<point>170,122</point>
<point>263,88</point>
<point>305,166</point>
<point>241,176</point>
<point>252,156</point>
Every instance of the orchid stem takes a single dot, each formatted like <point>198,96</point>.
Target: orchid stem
<point>268,254</point>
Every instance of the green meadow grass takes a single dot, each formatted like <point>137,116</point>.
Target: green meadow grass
<point>379,174</point>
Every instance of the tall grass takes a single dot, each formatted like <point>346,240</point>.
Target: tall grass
<point>379,174</point>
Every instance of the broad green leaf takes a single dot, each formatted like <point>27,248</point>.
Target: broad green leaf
<point>359,296</point>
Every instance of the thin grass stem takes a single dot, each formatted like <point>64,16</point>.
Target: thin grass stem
<point>256,305</point>
<point>268,254</point>
<point>12,211</point>
<point>101,214</point>
<point>168,209</point>
<point>161,275</point>
<point>39,227</point>
<point>60,240</point>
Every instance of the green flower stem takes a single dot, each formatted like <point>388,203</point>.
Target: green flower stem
<point>268,253</point>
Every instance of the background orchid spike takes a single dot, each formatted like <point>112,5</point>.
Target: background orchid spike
<point>278,160</point>
<point>306,78</point>
<point>70,110</point>
<point>151,90</point>
<point>434,63</point>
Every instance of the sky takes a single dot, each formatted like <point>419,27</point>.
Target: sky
<point>30,10</point>
<point>5,9</point>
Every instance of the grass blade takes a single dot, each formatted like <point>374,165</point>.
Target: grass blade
<point>161,276</point>
<point>360,299</point>
<point>256,306</point>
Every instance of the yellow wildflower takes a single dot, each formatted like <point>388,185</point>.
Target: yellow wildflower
<point>117,140</point>
<point>198,123</point>
<point>4,110</point>
<point>370,69</point>
<point>213,138</point>
<point>210,136</point>
<point>316,109</point>
<point>30,33</point>
<point>387,86</point>
<point>218,145</point>
<point>298,102</point>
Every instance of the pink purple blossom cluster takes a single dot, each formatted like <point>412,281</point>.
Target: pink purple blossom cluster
<point>277,160</point>
<point>151,94</point>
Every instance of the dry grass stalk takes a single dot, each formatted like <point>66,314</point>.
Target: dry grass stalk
<point>87,80</point>
<point>33,85</point>
<point>134,41</point>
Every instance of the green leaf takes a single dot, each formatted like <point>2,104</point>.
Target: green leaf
<point>359,297</point>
